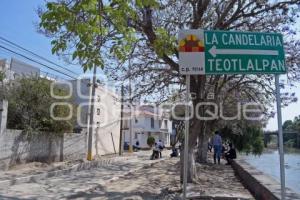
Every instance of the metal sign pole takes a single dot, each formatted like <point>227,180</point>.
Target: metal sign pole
<point>280,137</point>
<point>186,137</point>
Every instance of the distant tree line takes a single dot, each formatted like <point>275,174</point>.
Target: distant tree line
<point>291,133</point>
<point>291,129</point>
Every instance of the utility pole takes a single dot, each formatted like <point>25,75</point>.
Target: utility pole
<point>186,136</point>
<point>131,109</point>
<point>91,116</point>
<point>121,122</point>
<point>280,137</point>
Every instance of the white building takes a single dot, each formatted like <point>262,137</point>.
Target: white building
<point>147,121</point>
<point>16,68</point>
<point>107,112</point>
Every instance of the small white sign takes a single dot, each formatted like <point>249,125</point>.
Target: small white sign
<point>191,52</point>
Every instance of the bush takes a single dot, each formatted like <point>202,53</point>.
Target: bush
<point>29,103</point>
<point>150,141</point>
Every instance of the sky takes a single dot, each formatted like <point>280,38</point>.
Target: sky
<point>18,20</point>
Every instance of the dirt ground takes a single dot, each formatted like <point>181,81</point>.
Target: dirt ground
<point>161,181</point>
<point>136,178</point>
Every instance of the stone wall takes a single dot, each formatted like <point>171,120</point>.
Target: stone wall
<point>15,148</point>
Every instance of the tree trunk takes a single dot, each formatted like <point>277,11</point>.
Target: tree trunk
<point>191,168</point>
<point>194,130</point>
<point>181,163</point>
<point>202,148</point>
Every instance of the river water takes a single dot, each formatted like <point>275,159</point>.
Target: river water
<point>268,163</point>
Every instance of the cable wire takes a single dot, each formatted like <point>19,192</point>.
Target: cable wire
<point>26,57</point>
<point>41,57</point>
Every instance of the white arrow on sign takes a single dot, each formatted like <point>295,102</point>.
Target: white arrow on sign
<point>214,51</point>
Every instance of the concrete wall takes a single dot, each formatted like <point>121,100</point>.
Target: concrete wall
<point>261,186</point>
<point>15,148</point>
<point>3,115</point>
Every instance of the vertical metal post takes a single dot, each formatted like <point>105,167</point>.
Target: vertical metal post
<point>91,116</point>
<point>186,137</point>
<point>121,122</point>
<point>131,109</point>
<point>280,137</point>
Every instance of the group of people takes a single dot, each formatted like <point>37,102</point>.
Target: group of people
<point>158,148</point>
<point>220,149</point>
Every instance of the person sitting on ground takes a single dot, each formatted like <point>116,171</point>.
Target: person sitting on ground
<point>136,147</point>
<point>174,152</point>
<point>231,154</point>
<point>217,144</point>
<point>155,152</point>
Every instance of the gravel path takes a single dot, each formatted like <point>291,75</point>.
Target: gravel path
<point>137,178</point>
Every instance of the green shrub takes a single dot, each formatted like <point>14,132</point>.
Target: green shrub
<point>150,141</point>
<point>29,103</point>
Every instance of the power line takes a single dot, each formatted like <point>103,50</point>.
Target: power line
<point>8,54</point>
<point>41,57</point>
<point>19,54</point>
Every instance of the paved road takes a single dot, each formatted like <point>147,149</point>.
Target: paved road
<point>66,186</point>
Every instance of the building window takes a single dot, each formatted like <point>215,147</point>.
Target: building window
<point>136,120</point>
<point>135,135</point>
<point>98,111</point>
<point>152,122</point>
<point>98,98</point>
<point>125,124</point>
<point>166,123</point>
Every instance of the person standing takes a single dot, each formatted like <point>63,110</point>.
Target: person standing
<point>161,146</point>
<point>217,144</point>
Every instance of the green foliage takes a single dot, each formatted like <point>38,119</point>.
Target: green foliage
<point>2,76</point>
<point>164,43</point>
<point>79,23</point>
<point>2,86</point>
<point>150,141</point>
<point>290,143</point>
<point>251,139</point>
<point>29,103</point>
<point>292,139</point>
<point>84,27</point>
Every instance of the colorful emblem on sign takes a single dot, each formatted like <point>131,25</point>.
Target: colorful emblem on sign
<point>191,52</point>
<point>191,44</point>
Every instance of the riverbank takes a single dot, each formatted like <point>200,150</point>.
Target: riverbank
<point>268,163</point>
<point>261,185</point>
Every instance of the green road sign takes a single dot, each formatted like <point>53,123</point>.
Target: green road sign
<point>229,52</point>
